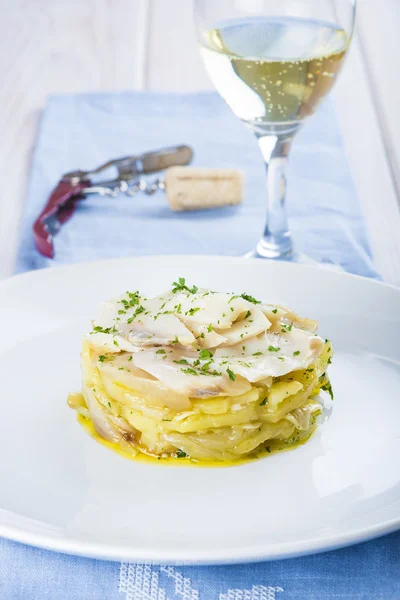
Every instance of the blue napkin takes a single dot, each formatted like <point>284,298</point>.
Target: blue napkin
<point>83,131</point>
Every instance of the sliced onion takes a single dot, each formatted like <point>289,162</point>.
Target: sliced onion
<point>99,419</point>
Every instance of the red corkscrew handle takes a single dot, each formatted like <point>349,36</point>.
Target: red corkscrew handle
<point>61,206</point>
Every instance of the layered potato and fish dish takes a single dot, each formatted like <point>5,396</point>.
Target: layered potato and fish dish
<point>200,376</point>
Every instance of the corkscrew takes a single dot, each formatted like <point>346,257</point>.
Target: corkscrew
<point>186,188</point>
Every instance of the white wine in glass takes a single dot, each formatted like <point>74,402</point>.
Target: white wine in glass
<point>273,62</point>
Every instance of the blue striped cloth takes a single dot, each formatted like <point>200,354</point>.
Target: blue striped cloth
<point>83,131</point>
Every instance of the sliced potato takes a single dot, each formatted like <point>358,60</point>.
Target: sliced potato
<point>202,422</point>
<point>217,406</point>
<point>281,391</point>
<point>268,431</point>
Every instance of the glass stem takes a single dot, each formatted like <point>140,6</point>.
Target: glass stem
<point>277,240</point>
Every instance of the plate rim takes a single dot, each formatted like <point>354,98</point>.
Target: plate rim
<point>256,553</point>
<point>196,257</point>
<point>234,555</point>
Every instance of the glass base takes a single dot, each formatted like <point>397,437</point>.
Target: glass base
<point>297,258</point>
<point>275,246</point>
<point>294,257</point>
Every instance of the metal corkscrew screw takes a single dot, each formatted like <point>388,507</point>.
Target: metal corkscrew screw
<point>130,189</point>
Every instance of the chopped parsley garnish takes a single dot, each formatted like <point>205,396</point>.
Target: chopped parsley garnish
<point>166,312</point>
<point>176,341</point>
<point>231,374</point>
<point>99,329</point>
<point>192,311</point>
<point>137,312</point>
<point>273,349</point>
<point>109,404</point>
<point>205,354</point>
<point>244,364</point>
<point>212,373</point>
<point>133,299</point>
<point>206,366</point>
<point>209,328</point>
<point>182,361</point>
<point>115,343</point>
<point>296,353</point>
<point>181,454</point>
<point>122,312</point>
<point>328,388</point>
<point>180,286</point>
<point>102,357</point>
<point>281,358</point>
<point>202,335</point>
<point>275,311</point>
<point>160,351</point>
<point>189,371</point>
<point>287,328</point>
<point>257,354</point>
<point>233,298</point>
<point>250,299</point>
<point>178,309</point>
<point>130,358</point>
<point>264,402</point>
<point>248,314</point>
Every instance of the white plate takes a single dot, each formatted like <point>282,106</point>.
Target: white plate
<point>63,491</point>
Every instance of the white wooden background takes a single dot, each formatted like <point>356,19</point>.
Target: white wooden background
<point>50,46</point>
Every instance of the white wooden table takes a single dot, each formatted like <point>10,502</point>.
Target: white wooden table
<point>56,46</point>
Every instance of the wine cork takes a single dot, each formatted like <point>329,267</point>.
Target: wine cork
<point>192,188</point>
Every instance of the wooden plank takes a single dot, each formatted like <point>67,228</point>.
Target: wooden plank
<point>379,24</point>
<point>366,150</point>
<point>174,60</point>
<point>56,47</point>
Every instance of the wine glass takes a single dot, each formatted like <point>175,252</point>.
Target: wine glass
<point>273,62</point>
